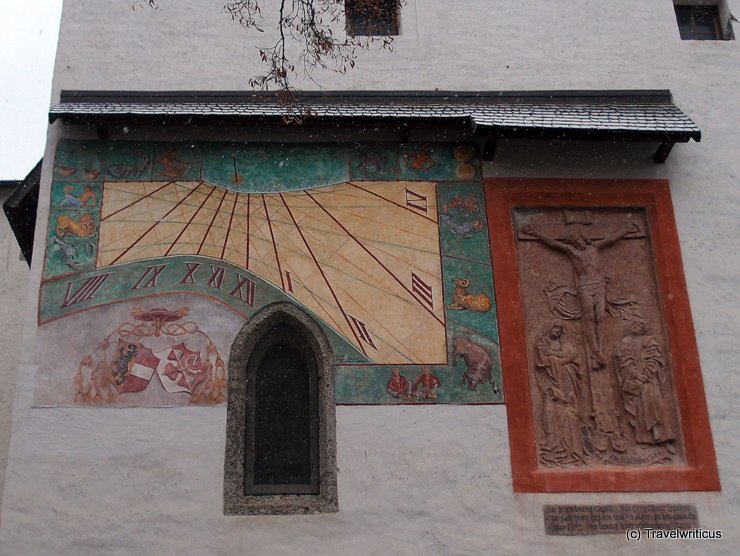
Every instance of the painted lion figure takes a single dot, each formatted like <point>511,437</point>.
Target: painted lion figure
<point>68,226</point>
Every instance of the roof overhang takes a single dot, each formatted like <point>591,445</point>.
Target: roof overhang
<point>646,116</point>
<point>20,210</point>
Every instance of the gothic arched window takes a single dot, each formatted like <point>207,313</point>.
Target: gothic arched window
<point>281,434</point>
<point>280,443</point>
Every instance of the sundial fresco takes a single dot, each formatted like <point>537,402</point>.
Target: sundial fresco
<point>385,246</point>
<point>350,253</point>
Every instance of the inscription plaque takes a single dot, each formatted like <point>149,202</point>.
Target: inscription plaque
<point>617,518</point>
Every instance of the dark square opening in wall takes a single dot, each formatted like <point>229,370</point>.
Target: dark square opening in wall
<point>371,18</point>
<point>699,22</point>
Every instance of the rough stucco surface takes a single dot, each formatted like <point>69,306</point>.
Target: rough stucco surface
<point>13,280</point>
<point>410,479</point>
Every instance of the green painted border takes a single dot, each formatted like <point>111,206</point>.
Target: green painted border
<point>263,168</point>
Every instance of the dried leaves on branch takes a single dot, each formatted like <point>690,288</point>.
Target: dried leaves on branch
<point>311,36</point>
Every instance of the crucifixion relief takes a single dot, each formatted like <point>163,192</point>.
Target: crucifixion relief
<point>591,283</point>
<point>602,387</point>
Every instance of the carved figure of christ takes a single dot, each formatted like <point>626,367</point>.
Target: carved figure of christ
<point>590,282</point>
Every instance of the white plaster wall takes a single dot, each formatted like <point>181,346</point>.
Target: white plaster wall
<point>466,44</point>
<point>412,480</point>
<point>14,275</point>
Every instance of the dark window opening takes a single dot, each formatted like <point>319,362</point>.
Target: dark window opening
<point>281,435</point>
<point>371,18</point>
<point>699,23</point>
<point>280,418</point>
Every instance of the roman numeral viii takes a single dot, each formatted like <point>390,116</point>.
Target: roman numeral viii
<point>87,288</point>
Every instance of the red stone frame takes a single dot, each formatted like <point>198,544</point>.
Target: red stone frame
<point>502,196</point>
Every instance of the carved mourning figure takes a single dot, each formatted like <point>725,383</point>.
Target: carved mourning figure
<point>645,389</point>
<point>591,283</point>
<point>559,378</point>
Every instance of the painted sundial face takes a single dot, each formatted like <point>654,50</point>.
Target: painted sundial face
<point>362,256</point>
<point>384,245</point>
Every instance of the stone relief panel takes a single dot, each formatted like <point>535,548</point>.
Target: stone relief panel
<point>600,374</point>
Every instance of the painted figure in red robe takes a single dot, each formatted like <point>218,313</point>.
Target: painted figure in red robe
<point>425,387</point>
<point>398,387</point>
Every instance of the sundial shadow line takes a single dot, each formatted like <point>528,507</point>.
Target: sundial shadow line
<point>319,225</point>
<point>392,202</point>
<point>322,303</point>
<point>383,206</point>
<point>193,206</point>
<point>215,213</point>
<point>335,232</point>
<point>228,230</point>
<point>289,244</point>
<point>349,194</point>
<point>262,262</point>
<point>381,287</point>
<point>266,271</point>
<point>376,260</point>
<point>326,280</point>
<point>136,201</point>
<point>431,275</point>
<point>381,326</point>
<point>398,246</point>
<point>187,237</point>
<point>151,228</point>
<point>162,238</point>
<point>366,218</point>
<point>335,253</point>
<point>147,221</point>
<point>412,303</point>
<point>148,213</point>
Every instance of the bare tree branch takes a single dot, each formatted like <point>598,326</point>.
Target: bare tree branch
<point>306,40</point>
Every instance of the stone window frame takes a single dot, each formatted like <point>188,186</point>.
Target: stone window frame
<point>653,196</point>
<point>236,501</point>
<point>718,10</point>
